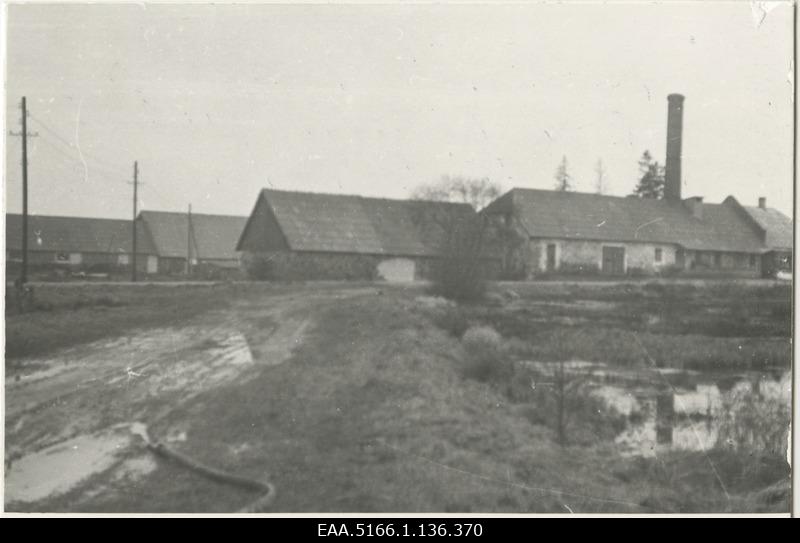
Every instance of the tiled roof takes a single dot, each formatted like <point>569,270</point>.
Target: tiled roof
<point>355,224</point>
<point>779,227</point>
<point>75,234</point>
<point>215,236</point>
<point>572,215</point>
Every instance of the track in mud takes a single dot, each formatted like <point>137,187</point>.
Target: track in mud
<point>68,419</point>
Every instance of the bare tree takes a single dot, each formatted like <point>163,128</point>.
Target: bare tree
<point>477,192</point>
<point>464,235</point>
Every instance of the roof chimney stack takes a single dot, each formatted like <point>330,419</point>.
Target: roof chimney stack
<point>762,203</point>
<point>695,204</point>
<point>672,176</point>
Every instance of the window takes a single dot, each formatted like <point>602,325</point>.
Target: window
<point>62,257</point>
<point>717,260</point>
<point>752,261</point>
<point>658,254</point>
<point>122,260</point>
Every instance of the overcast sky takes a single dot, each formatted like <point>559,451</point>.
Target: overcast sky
<point>216,102</point>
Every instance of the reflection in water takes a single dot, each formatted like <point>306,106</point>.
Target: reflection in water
<point>752,412</point>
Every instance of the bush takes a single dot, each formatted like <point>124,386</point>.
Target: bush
<point>460,279</point>
<point>452,320</point>
<point>486,359</point>
<point>756,419</point>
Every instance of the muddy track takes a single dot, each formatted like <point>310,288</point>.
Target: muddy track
<point>86,395</point>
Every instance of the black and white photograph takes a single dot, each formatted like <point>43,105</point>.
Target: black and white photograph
<point>429,259</point>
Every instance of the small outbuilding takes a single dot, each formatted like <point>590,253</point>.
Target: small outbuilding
<point>207,241</point>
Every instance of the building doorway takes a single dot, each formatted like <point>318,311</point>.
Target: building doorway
<point>551,257</point>
<point>614,260</point>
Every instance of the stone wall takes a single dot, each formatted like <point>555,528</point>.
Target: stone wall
<point>586,257</point>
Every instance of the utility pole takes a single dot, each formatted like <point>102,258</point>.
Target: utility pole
<point>24,277</point>
<point>133,228</point>
<point>189,241</point>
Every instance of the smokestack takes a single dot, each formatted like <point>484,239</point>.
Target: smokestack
<point>695,204</point>
<point>672,176</point>
<point>762,203</point>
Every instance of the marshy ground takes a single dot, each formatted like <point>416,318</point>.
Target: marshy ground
<point>375,398</point>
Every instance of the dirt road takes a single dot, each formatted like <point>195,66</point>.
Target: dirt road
<point>68,415</point>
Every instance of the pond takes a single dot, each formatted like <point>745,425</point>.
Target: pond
<point>670,409</point>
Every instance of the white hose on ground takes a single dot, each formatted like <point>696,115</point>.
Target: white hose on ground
<point>267,490</point>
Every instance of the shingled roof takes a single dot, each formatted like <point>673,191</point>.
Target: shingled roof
<point>215,236</point>
<point>75,234</point>
<point>355,224</point>
<point>778,227</point>
<point>582,216</point>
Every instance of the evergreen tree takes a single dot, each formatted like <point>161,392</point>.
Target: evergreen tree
<point>651,178</point>
<point>563,178</point>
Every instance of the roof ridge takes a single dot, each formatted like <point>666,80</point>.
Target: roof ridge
<point>40,216</point>
<point>362,197</point>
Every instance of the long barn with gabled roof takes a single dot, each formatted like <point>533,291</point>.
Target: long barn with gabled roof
<point>304,235</point>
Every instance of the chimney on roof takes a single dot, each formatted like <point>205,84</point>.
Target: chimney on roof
<point>695,204</point>
<point>672,176</point>
<point>762,203</point>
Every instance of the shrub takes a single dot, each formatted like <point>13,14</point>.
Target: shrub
<point>453,320</point>
<point>459,279</point>
<point>486,359</point>
<point>757,419</point>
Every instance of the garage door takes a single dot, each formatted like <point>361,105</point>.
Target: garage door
<point>396,270</point>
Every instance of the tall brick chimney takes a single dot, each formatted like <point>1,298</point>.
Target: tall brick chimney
<point>672,175</point>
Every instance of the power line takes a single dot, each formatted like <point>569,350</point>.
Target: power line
<point>104,169</point>
<point>72,146</point>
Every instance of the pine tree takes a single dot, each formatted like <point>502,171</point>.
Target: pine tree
<point>651,180</point>
<point>563,178</point>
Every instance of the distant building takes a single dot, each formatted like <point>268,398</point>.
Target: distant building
<point>209,239</point>
<point>569,232</point>
<point>76,243</point>
<point>301,235</point>
<point>80,244</point>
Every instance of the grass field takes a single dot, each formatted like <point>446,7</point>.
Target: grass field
<point>370,409</point>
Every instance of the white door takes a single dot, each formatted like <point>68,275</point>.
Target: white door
<point>152,264</point>
<point>397,270</point>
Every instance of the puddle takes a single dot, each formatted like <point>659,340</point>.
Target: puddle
<point>703,417</point>
<point>59,468</point>
<point>672,409</point>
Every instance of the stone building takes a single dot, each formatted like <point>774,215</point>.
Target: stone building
<point>569,232</point>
